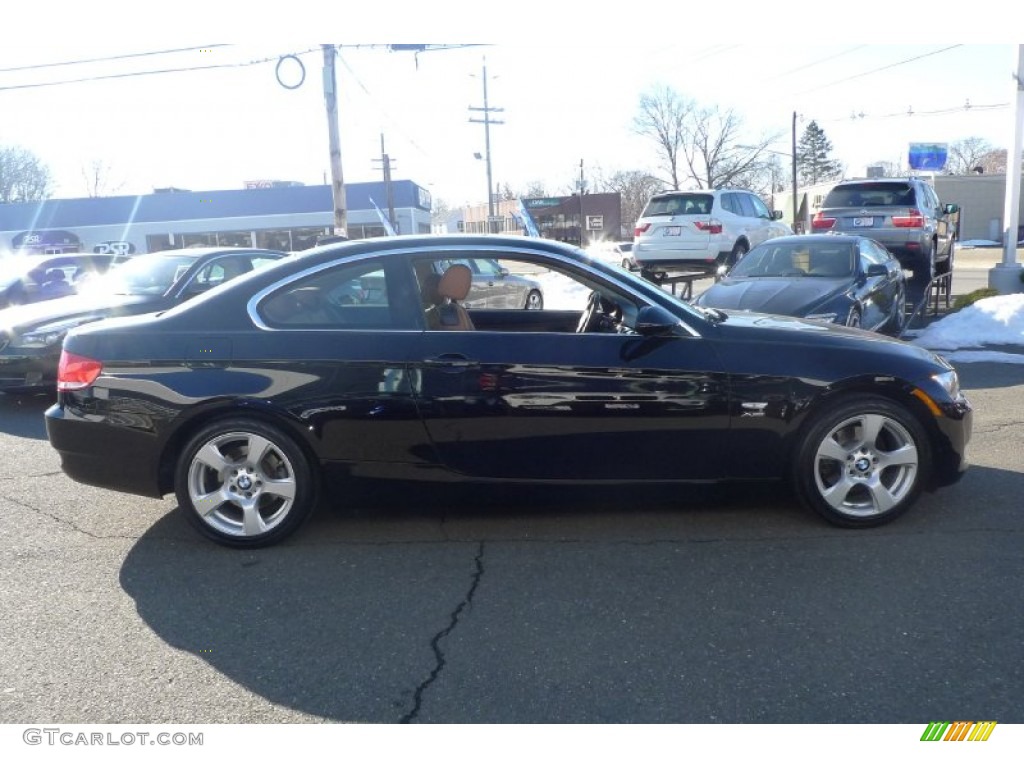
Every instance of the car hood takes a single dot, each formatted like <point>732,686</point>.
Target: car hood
<point>29,316</point>
<point>788,296</point>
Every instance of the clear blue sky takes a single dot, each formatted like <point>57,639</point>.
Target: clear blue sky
<point>567,92</point>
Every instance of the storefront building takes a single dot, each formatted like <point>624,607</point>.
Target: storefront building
<point>288,218</point>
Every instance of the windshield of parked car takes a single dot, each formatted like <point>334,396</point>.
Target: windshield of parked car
<point>797,260</point>
<point>149,275</point>
<point>684,204</point>
<point>870,194</point>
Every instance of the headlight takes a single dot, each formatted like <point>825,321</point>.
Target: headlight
<point>828,317</point>
<point>50,334</point>
<point>949,381</point>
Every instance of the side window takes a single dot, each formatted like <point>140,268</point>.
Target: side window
<point>872,254</point>
<point>729,203</point>
<point>349,296</point>
<point>760,209</point>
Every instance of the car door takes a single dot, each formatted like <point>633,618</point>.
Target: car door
<point>347,331</point>
<point>556,405</point>
<point>759,220</point>
<point>878,294</point>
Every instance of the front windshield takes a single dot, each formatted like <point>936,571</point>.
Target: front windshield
<point>797,260</point>
<point>150,275</point>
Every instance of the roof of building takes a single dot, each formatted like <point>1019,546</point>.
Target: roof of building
<point>187,205</point>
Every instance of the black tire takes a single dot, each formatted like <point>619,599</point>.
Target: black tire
<point>853,320</point>
<point>861,462</point>
<point>738,252</point>
<point>253,504</point>
<point>534,300</point>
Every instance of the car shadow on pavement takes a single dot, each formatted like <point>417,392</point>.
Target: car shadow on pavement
<point>22,415</point>
<point>388,613</point>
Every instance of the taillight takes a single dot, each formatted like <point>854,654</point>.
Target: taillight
<point>712,226</point>
<point>640,230</point>
<point>912,219</point>
<point>822,222</point>
<point>76,371</point>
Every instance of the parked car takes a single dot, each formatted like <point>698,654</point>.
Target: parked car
<point>27,279</point>
<point>493,286</point>
<point>708,230</point>
<point>620,253</point>
<point>847,280</point>
<point>30,336</point>
<point>904,215</point>
<point>247,402</point>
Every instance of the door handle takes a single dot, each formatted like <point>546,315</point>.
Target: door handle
<point>451,360</point>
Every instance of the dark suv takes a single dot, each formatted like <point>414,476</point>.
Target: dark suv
<point>904,215</point>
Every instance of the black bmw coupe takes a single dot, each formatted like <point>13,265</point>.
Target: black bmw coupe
<point>345,361</point>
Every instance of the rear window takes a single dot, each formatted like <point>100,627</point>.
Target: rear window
<point>684,204</point>
<point>873,194</point>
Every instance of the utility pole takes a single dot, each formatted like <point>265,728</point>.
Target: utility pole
<point>582,220</point>
<point>487,109</point>
<point>385,161</point>
<point>337,180</point>
<point>796,205</point>
<point>1005,276</point>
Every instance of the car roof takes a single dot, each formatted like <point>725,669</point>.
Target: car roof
<point>787,239</point>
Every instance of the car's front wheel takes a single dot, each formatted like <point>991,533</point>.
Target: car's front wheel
<point>244,483</point>
<point>862,462</point>
<point>534,300</point>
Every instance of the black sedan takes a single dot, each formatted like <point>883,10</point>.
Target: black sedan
<point>31,335</point>
<point>850,280</point>
<point>249,401</point>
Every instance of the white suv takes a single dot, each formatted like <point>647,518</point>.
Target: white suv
<point>706,230</point>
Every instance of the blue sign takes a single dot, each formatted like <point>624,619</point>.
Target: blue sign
<point>928,157</point>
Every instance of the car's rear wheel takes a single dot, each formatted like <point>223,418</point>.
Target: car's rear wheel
<point>534,300</point>
<point>853,320</point>
<point>244,483</point>
<point>862,462</point>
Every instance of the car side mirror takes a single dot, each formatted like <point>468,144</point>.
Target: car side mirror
<point>951,208</point>
<point>503,272</point>
<point>654,320</point>
<point>877,270</point>
<point>776,215</point>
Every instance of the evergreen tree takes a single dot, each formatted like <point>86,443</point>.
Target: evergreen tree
<point>813,161</point>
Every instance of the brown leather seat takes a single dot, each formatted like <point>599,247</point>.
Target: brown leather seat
<point>448,314</point>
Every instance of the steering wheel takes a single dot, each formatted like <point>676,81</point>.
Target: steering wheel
<point>591,317</point>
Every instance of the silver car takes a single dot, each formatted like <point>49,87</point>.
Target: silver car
<point>904,215</point>
<point>495,287</point>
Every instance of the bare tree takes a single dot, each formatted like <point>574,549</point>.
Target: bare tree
<point>440,211</point>
<point>23,176</point>
<point>966,154</point>
<point>714,154</point>
<point>97,179</point>
<point>536,189</point>
<point>635,189</point>
<point>662,117</point>
<point>994,161</point>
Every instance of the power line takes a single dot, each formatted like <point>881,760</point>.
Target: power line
<point>814,63</point>
<point>114,58</point>
<point>879,69</point>
<point>173,70</point>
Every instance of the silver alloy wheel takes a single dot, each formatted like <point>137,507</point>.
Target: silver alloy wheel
<point>866,465</point>
<point>241,484</point>
<point>534,300</point>
<point>853,319</point>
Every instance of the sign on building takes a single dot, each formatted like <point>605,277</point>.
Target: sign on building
<point>595,222</point>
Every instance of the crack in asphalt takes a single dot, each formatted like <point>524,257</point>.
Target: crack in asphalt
<point>435,643</point>
<point>62,521</point>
